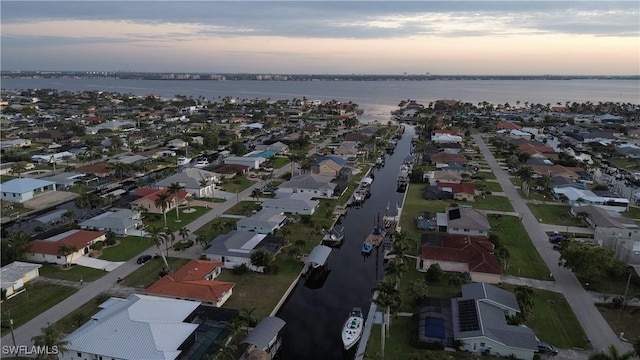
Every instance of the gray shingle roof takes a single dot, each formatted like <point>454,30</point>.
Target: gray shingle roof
<point>264,332</point>
<point>11,273</point>
<point>290,203</point>
<point>489,292</point>
<point>235,243</point>
<point>470,218</point>
<point>120,219</point>
<point>265,218</point>
<point>309,181</point>
<point>190,178</point>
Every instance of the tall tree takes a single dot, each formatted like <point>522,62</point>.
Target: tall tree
<point>184,233</point>
<point>525,296</point>
<point>15,247</point>
<point>591,262</point>
<point>158,237</point>
<point>525,174</point>
<point>69,215</point>
<point>50,338</point>
<point>18,168</point>
<point>162,201</point>
<point>396,268</point>
<point>173,190</point>
<point>388,297</point>
<point>66,250</point>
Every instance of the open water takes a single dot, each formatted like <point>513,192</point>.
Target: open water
<point>376,98</point>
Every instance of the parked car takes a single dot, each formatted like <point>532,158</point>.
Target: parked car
<point>545,348</point>
<point>558,247</point>
<point>143,259</point>
<point>556,238</point>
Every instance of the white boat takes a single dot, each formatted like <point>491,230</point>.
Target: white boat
<point>353,327</point>
<point>201,163</point>
<point>183,160</point>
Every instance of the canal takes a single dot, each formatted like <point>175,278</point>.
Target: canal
<point>315,317</point>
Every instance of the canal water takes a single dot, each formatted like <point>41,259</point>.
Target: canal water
<point>315,317</point>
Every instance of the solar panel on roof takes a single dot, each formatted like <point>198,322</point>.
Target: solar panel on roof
<point>454,214</point>
<point>468,315</point>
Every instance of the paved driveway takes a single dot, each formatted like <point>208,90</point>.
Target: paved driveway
<point>593,324</point>
<point>98,263</point>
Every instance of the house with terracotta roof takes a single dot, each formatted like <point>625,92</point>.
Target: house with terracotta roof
<point>196,281</point>
<point>556,170</point>
<point>48,250</point>
<point>462,254</point>
<point>506,125</point>
<point>148,196</point>
<point>460,191</point>
<point>102,169</point>
<point>446,158</point>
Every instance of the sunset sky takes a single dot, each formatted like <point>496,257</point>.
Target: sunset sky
<point>325,37</point>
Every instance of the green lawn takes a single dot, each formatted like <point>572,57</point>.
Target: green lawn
<point>488,185</point>
<point>148,273</point>
<point>623,163</point>
<point>487,175</point>
<point>156,220</point>
<point>280,161</point>
<point>491,202</point>
<point>534,195</point>
<point>237,184</point>
<point>555,215</point>
<point>211,229</point>
<point>245,208</point>
<point>517,182</point>
<point>261,291</point>
<point>127,248</point>
<point>5,178</point>
<point>37,298</point>
<point>524,260</point>
<point>554,322</point>
<point>73,273</point>
<point>77,317</point>
<point>440,290</point>
<point>633,213</point>
<point>626,320</point>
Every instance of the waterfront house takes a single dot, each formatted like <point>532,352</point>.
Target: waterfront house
<point>313,185</point>
<point>446,158</point>
<point>579,197</point>
<point>23,189</point>
<point>14,276</point>
<point>463,220</point>
<point>121,221</point>
<point>191,180</point>
<point>460,191</point>
<point>77,241</point>
<point>195,281</point>
<point>235,247</point>
<point>460,254</point>
<point>446,176</point>
<point>265,221</point>
<point>292,205</point>
<point>329,167</point>
<point>248,161</point>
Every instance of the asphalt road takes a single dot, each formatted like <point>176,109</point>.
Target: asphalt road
<point>89,290</point>
<point>593,324</point>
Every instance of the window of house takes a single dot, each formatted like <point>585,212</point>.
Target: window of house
<point>79,354</point>
<point>466,230</point>
<point>481,344</point>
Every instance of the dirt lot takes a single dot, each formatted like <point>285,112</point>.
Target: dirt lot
<point>49,199</point>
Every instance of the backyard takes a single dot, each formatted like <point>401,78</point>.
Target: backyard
<point>555,215</point>
<point>127,248</point>
<point>524,260</point>
<point>38,297</point>
<point>244,208</point>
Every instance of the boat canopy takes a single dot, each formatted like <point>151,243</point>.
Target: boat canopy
<point>264,332</point>
<point>319,255</point>
<point>366,181</point>
<point>54,216</point>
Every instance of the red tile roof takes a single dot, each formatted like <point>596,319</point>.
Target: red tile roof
<point>459,188</point>
<point>189,283</point>
<point>99,168</point>
<point>152,194</point>
<point>79,239</point>
<point>476,252</point>
<point>541,149</point>
<point>507,125</point>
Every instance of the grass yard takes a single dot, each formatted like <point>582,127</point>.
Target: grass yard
<point>148,273</point>
<point>623,163</point>
<point>488,185</point>
<point>237,184</point>
<point>487,175</point>
<point>77,317</point>
<point>280,161</point>
<point>72,273</point>
<point>555,215</point>
<point>524,259</point>
<point>173,223</point>
<point>626,320</point>
<point>261,291</point>
<point>633,213</point>
<point>5,178</point>
<point>38,297</point>
<point>491,202</point>
<point>440,290</point>
<point>612,285</point>
<point>244,208</point>
<point>212,229</point>
<point>517,182</point>
<point>127,248</point>
<point>534,195</point>
<point>554,322</point>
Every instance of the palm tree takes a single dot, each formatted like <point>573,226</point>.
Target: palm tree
<point>202,240</point>
<point>525,296</point>
<point>286,232</point>
<point>255,193</point>
<point>66,250</point>
<point>613,354</point>
<point>162,201</point>
<point>158,237</point>
<point>50,339</point>
<point>18,168</point>
<point>204,183</point>
<point>388,296</point>
<point>248,316</point>
<point>525,174</point>
<point>174,189</point>
<point>69,215</point>
<point>396,267</point>
<point>184,233</point>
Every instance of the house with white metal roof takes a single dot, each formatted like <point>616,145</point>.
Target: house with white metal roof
<point>193,181</point>
<point>23,189</point>
<point>250,161</point>
<point>13,276</point>
<point>138,327</point>
<point>314,185</point>
<point>265,221</point>
<point>292,205</point>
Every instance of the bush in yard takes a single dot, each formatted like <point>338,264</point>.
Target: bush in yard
<point>617,302</point>
<point>272,269</point>
<point>110,238</point>
<point>261,257</point>
<point>98,245</point>
<point>102,297</point>
<point>240,269</point>
<point>434,273</point>
<point>183,245</point>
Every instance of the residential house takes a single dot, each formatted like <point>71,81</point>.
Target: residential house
<point>329,167</point>
<point>195,281</point>
<point>579,197</point>
<point>446,158</point>
<point>446,176</point>
<point>121,221</point>
<point>14,276</point>
<point>594,136</point>
<point>15,143</point>
<point>235,247</point>
<point>53,158</point>
<point>48,137</point>
<point>265,221</point>
<point>138,327</point>
<point>24,189</point>
<point>177,144</point>
<point>101,170</point>
<point>445,136</point>
<point>516,134</point>
<point>264,338</point>
<point>292,205</point>
<point>191,180</point>
<point>313,185</point>
<point>230,170</point>
<point>48,250</point>
<point>147,200</point>
<point>556,170</point>
<point>433,192</point>
<point>480,323</point>
<point>613,231</point>
<point>460,191</point>
<point>461,254</point>
<point>279,147</point>
<point>463,220</point>
<point>357,137</point>
<point>505,125</point>
<point>65,180</point>
<point>248,161</point>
